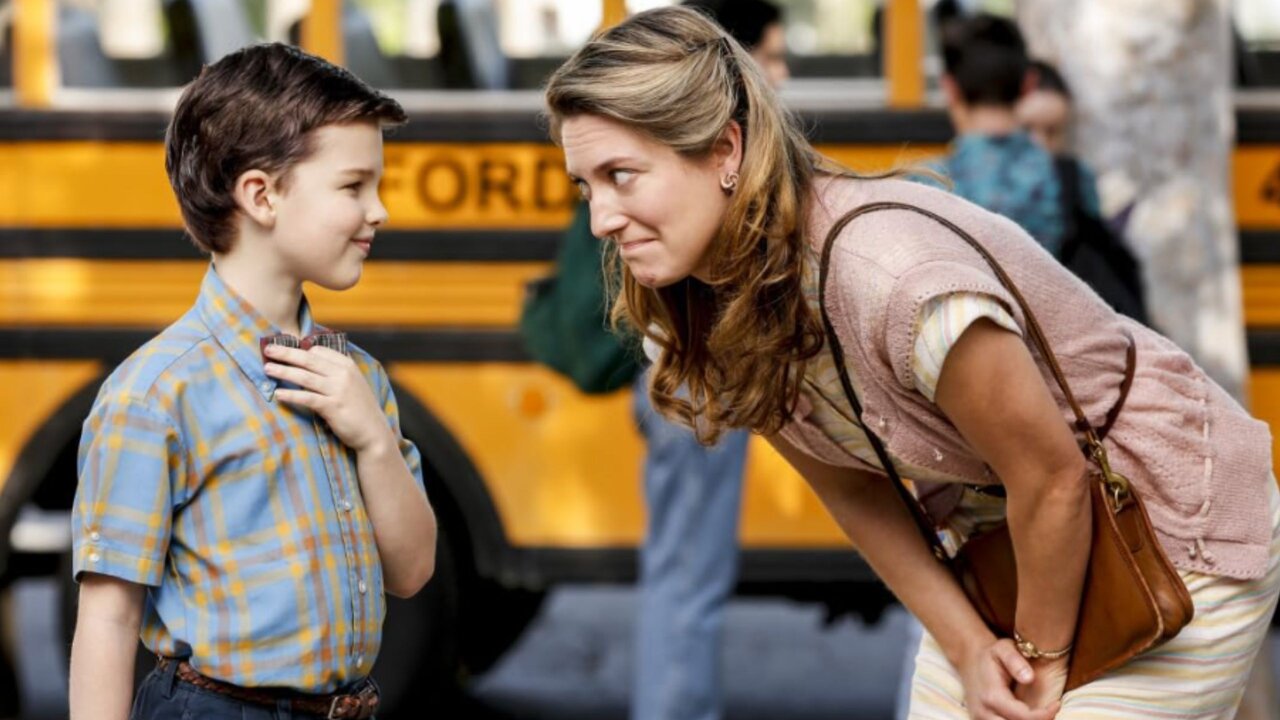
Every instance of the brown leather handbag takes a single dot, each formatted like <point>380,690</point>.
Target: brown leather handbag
<point>1133,599</point>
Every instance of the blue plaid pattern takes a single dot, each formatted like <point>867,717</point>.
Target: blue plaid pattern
<point>241,515</point>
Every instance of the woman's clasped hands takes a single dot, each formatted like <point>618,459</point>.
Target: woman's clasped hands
<point>1000,684</point>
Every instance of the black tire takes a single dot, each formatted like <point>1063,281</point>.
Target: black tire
<point>493,619</point>
<point>417,668</point>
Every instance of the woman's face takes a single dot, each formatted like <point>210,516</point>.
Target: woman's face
<point>1046,116</point>
<point>662,209</point>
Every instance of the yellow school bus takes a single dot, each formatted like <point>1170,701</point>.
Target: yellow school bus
<point>535,484</point>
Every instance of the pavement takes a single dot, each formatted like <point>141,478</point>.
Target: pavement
<point>574,663</point>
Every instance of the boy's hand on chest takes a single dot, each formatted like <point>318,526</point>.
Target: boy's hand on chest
<point>331,385</point>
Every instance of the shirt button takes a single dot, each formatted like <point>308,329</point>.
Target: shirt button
<point>94,557</point>
<point>359,660</point>
<point>362,587</point>
<point>266,387</point>
<point>95,536</point>
<point>346,506</point>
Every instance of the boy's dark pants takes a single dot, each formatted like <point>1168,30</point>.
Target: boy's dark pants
<point>163,696</point>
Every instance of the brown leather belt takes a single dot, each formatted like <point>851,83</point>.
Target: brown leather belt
<point>360,704</point>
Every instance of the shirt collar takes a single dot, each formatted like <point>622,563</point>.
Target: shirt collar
<point>1018,139</point>
<point>237,327</point>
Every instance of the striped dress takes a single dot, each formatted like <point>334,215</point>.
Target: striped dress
<point>1199,674</point>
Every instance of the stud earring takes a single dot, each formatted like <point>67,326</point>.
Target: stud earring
<point>729,183</point>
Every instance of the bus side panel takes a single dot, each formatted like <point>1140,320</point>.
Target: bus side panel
<point>42,406</point>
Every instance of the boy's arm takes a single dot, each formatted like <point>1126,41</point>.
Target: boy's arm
<point>389,468</point>
<point>104,647</point>
<point>404,525</point>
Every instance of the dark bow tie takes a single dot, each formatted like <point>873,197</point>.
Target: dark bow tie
<point>330,339</point>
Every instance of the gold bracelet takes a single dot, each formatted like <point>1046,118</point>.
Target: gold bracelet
<point>1031,652</point>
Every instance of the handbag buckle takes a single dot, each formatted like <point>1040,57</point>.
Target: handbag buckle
<point>1117,484</point>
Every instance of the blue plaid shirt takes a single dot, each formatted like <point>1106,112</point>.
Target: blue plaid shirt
<point>241,515</point>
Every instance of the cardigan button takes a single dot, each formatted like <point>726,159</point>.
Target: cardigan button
<point>937,455</point>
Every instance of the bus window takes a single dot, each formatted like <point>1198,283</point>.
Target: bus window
<point>464,44</point>
<point>425,44</point>
<point>1256,38</point>
<point>202,31</point>
<point>825,38</point>
<point>104,44</point>
<point>109,44</point>
<point>538,35</point>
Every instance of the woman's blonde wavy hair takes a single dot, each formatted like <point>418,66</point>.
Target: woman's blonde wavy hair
<point>739,341</point>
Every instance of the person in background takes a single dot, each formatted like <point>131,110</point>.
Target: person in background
<point>993,162</point>
<point>688,562</point>
<point>1045,112</point>
<point>1092,246</point>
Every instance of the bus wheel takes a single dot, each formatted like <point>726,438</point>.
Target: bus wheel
<point>493,619</point>
<point>417,668</point>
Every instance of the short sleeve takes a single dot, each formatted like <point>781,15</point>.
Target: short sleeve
<point>131,463</point>
<point>943,319</point>
<point>391,408</point>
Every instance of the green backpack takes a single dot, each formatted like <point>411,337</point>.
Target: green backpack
<point>565,323</point>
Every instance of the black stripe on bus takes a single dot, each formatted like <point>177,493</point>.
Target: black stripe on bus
<point>114,344</point>
<point>854,126</point>
<point>473,127</point>
<point>1257,247</point>
<point>388,345</point>
<point>892,127</point>
<point>172,244</point>
<point>547,566</point>
<point>1258,127</point>
<point>1264,347</point>
<point>1253,126</point>
<point>877,127</point>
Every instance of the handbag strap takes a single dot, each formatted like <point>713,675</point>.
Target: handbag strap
<point>1033,327</point>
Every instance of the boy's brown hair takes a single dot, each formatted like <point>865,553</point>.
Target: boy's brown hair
<point>256,108</point>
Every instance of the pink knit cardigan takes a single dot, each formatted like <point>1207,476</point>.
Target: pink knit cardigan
<point>1199,460</point>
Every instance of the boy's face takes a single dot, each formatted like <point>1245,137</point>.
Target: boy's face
<point>1046,115</point>
<point>328,212</point>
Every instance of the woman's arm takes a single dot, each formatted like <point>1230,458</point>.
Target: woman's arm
<point>870,512</point>
<point>992,391</point>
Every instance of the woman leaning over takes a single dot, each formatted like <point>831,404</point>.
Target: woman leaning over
<point>718,210</point>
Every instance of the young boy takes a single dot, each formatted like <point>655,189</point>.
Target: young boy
<point>993,162</point>
<point>244,504</point>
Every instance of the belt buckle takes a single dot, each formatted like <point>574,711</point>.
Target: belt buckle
<point>366,703</point>
<point>369,699</point>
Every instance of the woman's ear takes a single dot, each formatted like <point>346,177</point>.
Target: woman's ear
<point>727,150</point>
<point>254,193</point>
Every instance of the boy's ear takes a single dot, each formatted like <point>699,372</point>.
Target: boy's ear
<point>254,192</point>
<point>1029,82</point>
<point>950,90</point>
